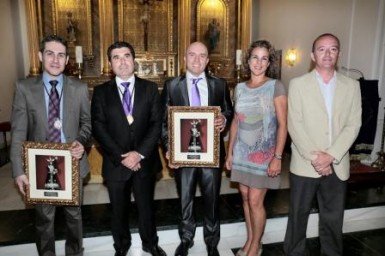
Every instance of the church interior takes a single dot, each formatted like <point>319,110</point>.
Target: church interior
<point>160,31</point>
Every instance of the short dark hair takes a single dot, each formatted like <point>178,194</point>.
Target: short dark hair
<point>120,44</point>
<point>324,35</point>
<point>53,38</point>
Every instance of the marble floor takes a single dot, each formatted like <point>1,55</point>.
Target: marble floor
<point>364,223</point>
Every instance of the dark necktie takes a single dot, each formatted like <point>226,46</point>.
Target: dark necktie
<point>126,99</point>
<point>195,96</point>
<point>54,123</point>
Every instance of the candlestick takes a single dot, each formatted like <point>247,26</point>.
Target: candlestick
<point>238,73</point>
<point>80,70</point>
<point>238,57</point>
<point>154,69</point>
<point>79,54</point>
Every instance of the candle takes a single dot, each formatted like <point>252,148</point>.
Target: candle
<point>238,57</point>
<point>79,54</point>
<point>154,69</point>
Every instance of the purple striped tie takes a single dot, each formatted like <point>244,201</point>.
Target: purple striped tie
<point>54,114</point>
<point>195,96</point>
<point>126,99</point>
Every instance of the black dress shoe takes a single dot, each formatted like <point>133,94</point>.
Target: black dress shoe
<point>212,251</point>
<point>155,251</point>
<point>121,252</point>
<point>182,249</point>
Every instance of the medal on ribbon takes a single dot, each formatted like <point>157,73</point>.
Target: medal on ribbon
<point>57,124</point>
<point>130,119</point>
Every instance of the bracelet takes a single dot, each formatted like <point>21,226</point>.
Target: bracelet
<point>278,157</point>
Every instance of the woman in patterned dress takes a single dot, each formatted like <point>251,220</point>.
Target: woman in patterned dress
<point>257,138</point>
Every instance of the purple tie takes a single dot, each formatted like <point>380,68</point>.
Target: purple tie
<point>195,96</point>
<point>126,99</point>
<point>54,114</point>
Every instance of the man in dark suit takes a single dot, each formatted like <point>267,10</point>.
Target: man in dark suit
<point>126,122</point>
<point>31,122</point>
<point>212,92</point>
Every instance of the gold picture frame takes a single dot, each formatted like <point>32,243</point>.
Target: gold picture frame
<point>52,172</point>
<point>151,68</point>
<point>193,139</point>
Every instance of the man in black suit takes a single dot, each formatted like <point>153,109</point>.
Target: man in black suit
<point>126,122</point>
<point>212,92</point>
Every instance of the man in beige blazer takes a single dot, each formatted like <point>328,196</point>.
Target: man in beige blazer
<point>324,118</point>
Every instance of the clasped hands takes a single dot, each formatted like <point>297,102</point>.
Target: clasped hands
<point>322,163</point>
<point>131,160</point>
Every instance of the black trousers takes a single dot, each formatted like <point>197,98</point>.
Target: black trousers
<point>45,233</point>
<point>120,198</point>
<point>209,180</point>
<point>331,195</point>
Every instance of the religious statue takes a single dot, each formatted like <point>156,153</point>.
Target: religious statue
<point>71,28</point>
<point>144,18</point>
<point>212,34</point>
<point>195,142</point>
<point>52,181</point>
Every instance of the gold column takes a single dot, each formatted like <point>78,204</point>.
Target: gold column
<point>33,37</point>
<point>184,29</point>
<point>106,33</point>
<point>239,24</point>
<point>245,13</point>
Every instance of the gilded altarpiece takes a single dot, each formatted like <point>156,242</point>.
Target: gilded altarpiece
<point>148,25</point>
<point>74,22</point>
<point>213,28</point>
<point>66,19</point>
<point>159,30</point>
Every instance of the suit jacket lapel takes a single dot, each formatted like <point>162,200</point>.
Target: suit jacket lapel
<point>138,96</point>
<point>316,91</point>
<point>184,91</point>
<point>210,90</point>
<point>115,97</point>
<point>38,91</point>
<point>68,94</point>
<point>339,93</point>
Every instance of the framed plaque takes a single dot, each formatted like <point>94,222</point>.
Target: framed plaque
<point>193,139</point>
<point>52,172</point>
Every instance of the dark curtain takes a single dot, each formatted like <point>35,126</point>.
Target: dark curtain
<point>363,145</point>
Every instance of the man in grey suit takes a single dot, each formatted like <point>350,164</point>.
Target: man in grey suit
<point>212,91</point>
<point>31,121</point>
<point>324,118</point>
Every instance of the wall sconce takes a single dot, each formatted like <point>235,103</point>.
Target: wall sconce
<point>291,57</point>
